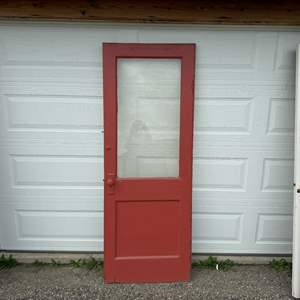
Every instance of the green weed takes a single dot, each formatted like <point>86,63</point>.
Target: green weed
<point>7,262</point>
<point>213,263</point>
<point>88,263</point>
<point>39,263</point>
<point>91,263</point>
<point>56,263</point>
<point>52,263</point>
<point>281,264</point>
<point>76,263</point>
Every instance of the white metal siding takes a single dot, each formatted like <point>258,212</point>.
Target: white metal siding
<point>51,158</point>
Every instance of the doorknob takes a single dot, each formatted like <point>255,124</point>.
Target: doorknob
<point>110,182</point>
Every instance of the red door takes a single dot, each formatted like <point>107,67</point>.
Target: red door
<point>148,141</point>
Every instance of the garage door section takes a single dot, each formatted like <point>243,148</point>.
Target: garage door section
<point>51,143</point>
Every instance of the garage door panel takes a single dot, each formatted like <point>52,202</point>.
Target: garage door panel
<point>223,115</point>
<point>66,36</point>
<point>219,53</point>
<point>59,225</point>
<point>50,73</point>
<point>273,229</point>
<point>281,120</point>
<point>278,175</point>
<point>266,224</point>
<point>257,116</point>
<point>35,147</point>
<point>51,88</point>
<point>56,172</point>
<point>259,172</point>
<point>234,234</point>
<point>51,172</point>
<point>286,44</point>
<point>48,113</point>
<point>220,174</point>
<point>220,228</point>
<point>51,143</point>
<point>48,228</point>
<point>220,57</point>
<point>34,116</point>
<point>217,228</point>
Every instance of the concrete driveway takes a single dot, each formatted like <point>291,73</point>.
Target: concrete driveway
<point>64,282</point>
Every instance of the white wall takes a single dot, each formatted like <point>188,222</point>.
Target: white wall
<point>51,155</point>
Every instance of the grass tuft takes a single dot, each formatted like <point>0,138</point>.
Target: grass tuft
<point>38,263</point>
<point>91,263</point>
<point>213,263</point>
<point>52,263</point>
<point>281,264</point>
<point>76,263</point>
<point>88,263</point>
<point>7,262</point>
<point>56,263</point>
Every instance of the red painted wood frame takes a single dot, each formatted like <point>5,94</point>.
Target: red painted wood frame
<point>129,203</point>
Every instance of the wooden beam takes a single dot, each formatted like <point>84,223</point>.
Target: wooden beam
<point>158,11</point>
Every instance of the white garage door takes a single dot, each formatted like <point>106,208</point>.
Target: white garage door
<point>51,157</point>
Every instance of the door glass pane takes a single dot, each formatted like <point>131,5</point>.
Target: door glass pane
<point>148,117</point>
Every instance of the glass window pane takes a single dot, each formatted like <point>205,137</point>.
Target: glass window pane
<point>148,117</point>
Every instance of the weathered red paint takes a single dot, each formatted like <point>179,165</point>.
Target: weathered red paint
<point>147,221</point>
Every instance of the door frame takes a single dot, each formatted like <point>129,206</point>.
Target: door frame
<point>296,204</point>
<point>111,53</point>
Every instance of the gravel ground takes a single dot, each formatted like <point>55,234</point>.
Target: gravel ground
<point>241,282</point>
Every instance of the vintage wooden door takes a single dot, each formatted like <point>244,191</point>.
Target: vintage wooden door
<point>148,141</point>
